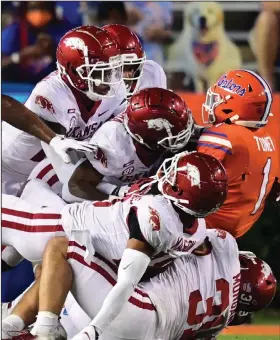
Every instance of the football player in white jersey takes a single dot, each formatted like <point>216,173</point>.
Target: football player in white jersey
<point>76,100</point>
<point>155,120</point>
<point>159,226</point>
<point>138,73</point>
<point>20,117</point>
<point>194,298</point>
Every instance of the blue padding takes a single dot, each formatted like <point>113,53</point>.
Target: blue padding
<point>15,281</point>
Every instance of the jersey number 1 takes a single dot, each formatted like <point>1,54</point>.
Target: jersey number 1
<point>266,172</point>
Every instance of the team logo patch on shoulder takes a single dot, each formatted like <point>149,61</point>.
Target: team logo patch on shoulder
<point>44,103</point>
<point>158,124</point>
<point>154,219</point>
<point>221,233</point>
<point>231,86</point>
<point>100,156</point>
<point>193,174</point>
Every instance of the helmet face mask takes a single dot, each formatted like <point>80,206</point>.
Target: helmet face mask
<point>208,107</point>
<point>89,60</point>
<point>132,53</point>
<point>132,71</point>
<point>96,75</point>
<point>179,141</point>
<point>188,176</point>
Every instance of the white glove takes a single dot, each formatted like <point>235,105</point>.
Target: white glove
<point>61,144</point>
<point>88,333</point>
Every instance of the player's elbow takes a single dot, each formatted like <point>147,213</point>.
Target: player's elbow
<point>73,187</point>
<point>73,182</point>
<point>77,181</point>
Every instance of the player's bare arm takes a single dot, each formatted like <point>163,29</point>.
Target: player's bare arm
<point>133,265</point>
<point>83,183</point>
<point>19,116</point>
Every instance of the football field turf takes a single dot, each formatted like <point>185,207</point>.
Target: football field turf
<point>248,337</point>
<point>251,332</point>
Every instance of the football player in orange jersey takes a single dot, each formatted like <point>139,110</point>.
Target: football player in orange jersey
<point>238,106</point>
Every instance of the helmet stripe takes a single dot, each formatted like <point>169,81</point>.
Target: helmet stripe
<point>267,93</point>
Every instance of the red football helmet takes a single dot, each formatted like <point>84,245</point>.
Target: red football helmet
<point>194,182</point>
<point>242,97</point>
<point>157,118</point>
<point>133,55</point>
<point>89,59</point>
<point>257,286</point>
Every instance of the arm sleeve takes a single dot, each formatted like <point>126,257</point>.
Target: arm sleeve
<point>109,158</point>
<point>121,107</point>
<point>121,99</point>
<point>155,223</point>
<point>216,141</point>
<point>160,77</point>
<point>132,267</point>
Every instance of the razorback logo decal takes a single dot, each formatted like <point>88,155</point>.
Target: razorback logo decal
<point>75,43</point>
<point>221,234</point>
<point>154,219</point>
<point>159,124</point>
<point>100,156</point>
<point>44,103</point>
<point>193,174</point>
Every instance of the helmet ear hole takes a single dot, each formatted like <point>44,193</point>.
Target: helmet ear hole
<point>250,89</point>
<point>227,111</point>
<point>177,190</point>
<point>73,70</point>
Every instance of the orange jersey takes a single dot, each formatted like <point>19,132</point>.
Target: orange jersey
<point>251,158</point>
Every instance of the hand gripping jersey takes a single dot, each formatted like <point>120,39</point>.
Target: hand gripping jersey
<point>105,227</point>
<point>55,102</point>
<point>117,157</point>
<point>251,159</point>
<point>196,296</point>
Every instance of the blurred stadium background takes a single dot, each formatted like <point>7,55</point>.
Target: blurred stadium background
<point>158,25</point>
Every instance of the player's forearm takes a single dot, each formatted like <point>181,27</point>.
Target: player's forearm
<point>132,267</point>
<point>16,114</point>
<point>86,190</point>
